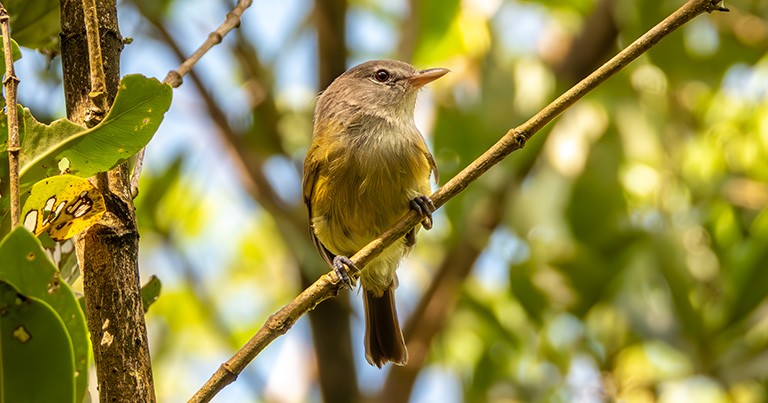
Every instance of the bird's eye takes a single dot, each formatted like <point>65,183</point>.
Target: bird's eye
<point>381,76</point>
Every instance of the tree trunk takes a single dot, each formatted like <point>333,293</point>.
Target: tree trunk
<point>108,252</point>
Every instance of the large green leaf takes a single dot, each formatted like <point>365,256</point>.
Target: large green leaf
<point>136,114</point>
<point>37,361</point>
<point>27,268</point>
<point>35,24</point>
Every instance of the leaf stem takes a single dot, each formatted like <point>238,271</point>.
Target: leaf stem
<point>98,94</point>
<point>11,83</point>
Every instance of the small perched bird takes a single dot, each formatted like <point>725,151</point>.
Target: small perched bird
<point>367,166</point>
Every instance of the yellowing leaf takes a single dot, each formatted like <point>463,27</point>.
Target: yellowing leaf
<point>63,205</point>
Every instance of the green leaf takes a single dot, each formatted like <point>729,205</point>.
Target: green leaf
<point>15,52</point>
<point>136,114</point>
<point>35,24</point>
<point>27,267</point>
<point>150,292</point>
<point>37,359</point>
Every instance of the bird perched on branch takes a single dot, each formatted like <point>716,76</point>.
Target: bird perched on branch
<point>367,166</point>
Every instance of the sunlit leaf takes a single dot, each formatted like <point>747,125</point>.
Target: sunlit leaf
<point>62,205</point>
<point>435,21</point>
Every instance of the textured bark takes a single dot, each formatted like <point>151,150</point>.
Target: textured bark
<point>108,252</point>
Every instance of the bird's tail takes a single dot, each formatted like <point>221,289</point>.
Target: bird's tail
<point>383,337</point>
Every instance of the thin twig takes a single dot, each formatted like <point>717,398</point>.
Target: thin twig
<point>175,77</point>
<point>327,285</point>
<point>98,94</point>
<point>11,83</point>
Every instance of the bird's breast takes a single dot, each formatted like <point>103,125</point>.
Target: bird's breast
<point>368,185</point>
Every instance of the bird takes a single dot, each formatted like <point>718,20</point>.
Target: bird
<point>366,167</point>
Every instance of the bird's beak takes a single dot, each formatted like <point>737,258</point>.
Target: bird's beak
<point>425,77</point>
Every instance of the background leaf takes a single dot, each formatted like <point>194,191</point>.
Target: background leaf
<point>35,24</point>
<point>16,53</point>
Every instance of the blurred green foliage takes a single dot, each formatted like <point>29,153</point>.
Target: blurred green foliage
<point>629,260</point>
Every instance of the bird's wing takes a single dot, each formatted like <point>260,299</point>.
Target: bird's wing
<point>311,170</point>
<point>433,167</point>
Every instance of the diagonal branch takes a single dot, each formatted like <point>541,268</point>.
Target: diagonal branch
<point>328,285</point>
<point>11,83</point>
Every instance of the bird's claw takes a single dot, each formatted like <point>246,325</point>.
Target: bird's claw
<point>424,206</point>
<point>342,265</point>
